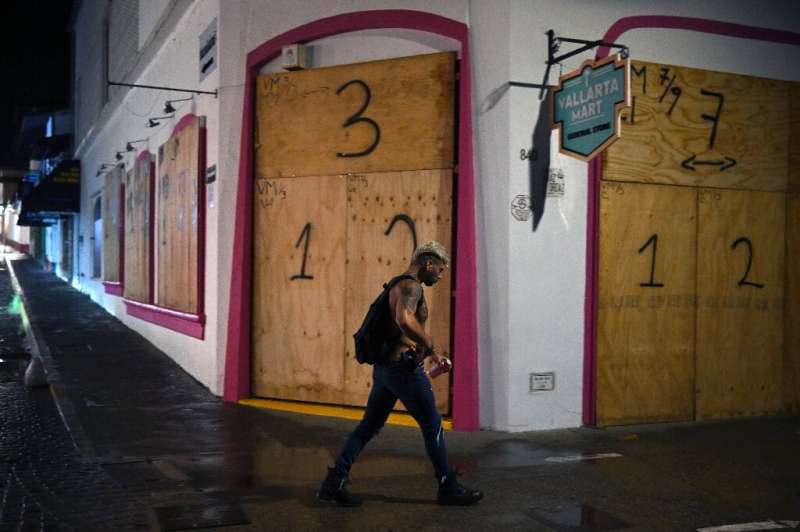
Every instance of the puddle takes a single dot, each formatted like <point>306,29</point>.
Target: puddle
<point>192,516</point>
<point>577,518</point>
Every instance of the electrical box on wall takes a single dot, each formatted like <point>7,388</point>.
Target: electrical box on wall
<point>293,57</point>
<point>542,382</point>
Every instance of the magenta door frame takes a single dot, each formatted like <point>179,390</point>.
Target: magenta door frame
<point>613,33</point>
<point>465,342</point>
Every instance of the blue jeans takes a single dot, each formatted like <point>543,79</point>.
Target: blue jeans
<point>407,382</point>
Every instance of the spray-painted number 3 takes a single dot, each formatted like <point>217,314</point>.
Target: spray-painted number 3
<point>357,118</point>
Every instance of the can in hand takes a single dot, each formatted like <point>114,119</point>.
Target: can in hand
<point>442,367</point>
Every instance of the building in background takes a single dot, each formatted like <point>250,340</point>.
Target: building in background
<point>243,223</point>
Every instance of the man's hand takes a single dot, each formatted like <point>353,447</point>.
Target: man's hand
<point>436,358</point>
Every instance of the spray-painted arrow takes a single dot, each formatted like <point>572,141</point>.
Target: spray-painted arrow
<point>691,162</point>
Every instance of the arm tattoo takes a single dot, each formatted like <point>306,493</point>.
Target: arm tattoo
<point>411,293</point>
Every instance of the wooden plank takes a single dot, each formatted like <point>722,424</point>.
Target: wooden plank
<point>137,231</point>
<point>111,223</point>
<point>688,127</point>
<point>791,367</point>
<point>178,220</point>
<point>402,107</point>
<point>299,282</point>
<point>794,139</point>
<point>646,318</point>
<point>740,303</point>
<point>373,257</point>
<point>164,230</point>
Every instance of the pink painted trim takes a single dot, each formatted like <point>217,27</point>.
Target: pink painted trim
<point>185,121</point>
<point>589,416</point>
<point>142,155</point>
<point>22,248</point>
<point>112,287</point>
<point>201,222</point>
<point>465,348</point>
<point>189,324</point>
<point>715,27</point>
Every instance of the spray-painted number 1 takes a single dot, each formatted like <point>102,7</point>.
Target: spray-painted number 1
<point>652,282</point>
<point>306,234</point>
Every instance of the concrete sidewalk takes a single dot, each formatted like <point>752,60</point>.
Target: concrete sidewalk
<point>175,457</point>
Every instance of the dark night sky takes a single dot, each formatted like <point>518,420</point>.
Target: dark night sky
<point>35,52</point>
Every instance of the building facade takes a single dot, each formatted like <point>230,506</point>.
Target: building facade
<point>242,228</point>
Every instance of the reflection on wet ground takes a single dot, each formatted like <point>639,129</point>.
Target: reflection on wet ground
<point>194,461</point>
<point>577,518</point>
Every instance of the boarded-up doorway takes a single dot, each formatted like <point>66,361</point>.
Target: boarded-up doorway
<point>693,239</point>
<point>354,165</point>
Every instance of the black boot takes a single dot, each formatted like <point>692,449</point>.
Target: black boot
<point>334,489</point>
<point>451,493</point>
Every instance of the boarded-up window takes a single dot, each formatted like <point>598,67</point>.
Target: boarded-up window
<point>111,224</point>
<point>180,161</point>
<point>139,190</point>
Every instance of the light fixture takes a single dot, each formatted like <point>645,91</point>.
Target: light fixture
<point>168,108</point>
<point>153,122</point>
<point>130,143</point>
<point>105,167</point>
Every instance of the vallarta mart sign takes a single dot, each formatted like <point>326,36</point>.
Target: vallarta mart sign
<point>587,105</point>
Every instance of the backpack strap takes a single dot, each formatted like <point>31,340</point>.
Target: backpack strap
<point>388,286</point>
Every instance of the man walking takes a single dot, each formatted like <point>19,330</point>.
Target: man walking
<point>398,374</point>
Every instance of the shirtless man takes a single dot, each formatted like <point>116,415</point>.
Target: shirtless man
<point>399,375</point>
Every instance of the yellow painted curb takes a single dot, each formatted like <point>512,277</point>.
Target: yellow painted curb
<point>346,412</point>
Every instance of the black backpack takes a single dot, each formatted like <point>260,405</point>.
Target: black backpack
<point>371,335</point>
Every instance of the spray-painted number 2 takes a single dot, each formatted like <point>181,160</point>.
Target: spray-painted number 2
<point>743,281</point>
<point>356,118</point>
<point>306,234</point>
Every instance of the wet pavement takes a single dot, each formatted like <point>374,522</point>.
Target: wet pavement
<point>123,438</point>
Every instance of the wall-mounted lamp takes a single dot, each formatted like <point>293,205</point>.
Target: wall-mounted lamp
<point>153,122</point>
<point>105,167</point>
<point>119,156</point>
<point>168,108</point>
<point>130,143</point>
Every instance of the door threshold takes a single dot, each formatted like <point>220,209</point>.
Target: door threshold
<point>343,412</point>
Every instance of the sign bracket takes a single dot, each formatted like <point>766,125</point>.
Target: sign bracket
<point>554,44</point>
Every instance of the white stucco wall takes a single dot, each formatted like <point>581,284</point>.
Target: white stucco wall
<point>13,232</point>
<point>173,64</point>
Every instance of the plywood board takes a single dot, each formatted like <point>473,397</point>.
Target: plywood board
<point>138,207</point>
<point>325,121</point>
<point>741,269</point>
<point>794,139</point>
<point>111,223</point>
<point>791,366</point>
<point>178,220</point>
<point>299,282</point>
<point>424,199</point>
<point>702,128</point>
<point>646,319</point>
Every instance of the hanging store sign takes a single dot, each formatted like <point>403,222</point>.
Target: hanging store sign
<point>587,105</point>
